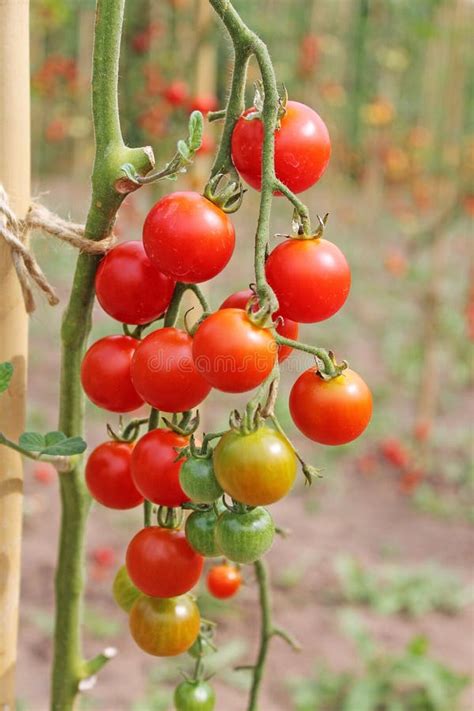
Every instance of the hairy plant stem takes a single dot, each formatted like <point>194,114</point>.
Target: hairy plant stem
<point>69,667</point>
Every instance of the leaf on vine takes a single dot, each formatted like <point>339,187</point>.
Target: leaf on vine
<point>65,447</point>
<point>183,150</point>
<point>52,438</point>
<point>31,441</point>
<point>195,128</point>
<point>6,372</point>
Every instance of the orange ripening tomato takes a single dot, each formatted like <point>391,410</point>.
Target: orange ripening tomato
<point>164,627</point>
<point>223,581</point>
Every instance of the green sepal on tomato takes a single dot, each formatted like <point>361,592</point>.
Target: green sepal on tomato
<point>164,627</point>
<point>245,537</point>
<point>194,696</point>
<point>256,468</point>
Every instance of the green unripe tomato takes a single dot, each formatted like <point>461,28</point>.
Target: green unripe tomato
<point>245,537</point>
<point>200,530</point>
<point>198,480</point>
<point>194,696</point>
<point>124,591</point>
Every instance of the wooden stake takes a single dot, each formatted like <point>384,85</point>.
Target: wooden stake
<point>15,176</point>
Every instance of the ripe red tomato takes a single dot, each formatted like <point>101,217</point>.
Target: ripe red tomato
<point>395,452</point>
<point>161,563</point>
<point>302,148</point>
<point>310,277</point>
<point>105,374</point>
<point>188,237</point>
<point>232,353</point>
<point>104,556</point>
<point>164,628</point>
<point>176,93</point>
<point>154,469</point>
<point>286,327</point>
<point>331,411</point>
<point>109,476</point>
<point>164,373</point>
<point>129,287</point>
<point>223,580</point>
<point>204,103</point>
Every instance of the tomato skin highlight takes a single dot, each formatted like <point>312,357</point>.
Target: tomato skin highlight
<point>164,373</point>
<point>302,148</point>
<point>164,627</point>
<point>223,581</point>
<point>109,478</point>
<point>198,480</point>
<point>161,563</point>
<point>129,287</point>
<point>310,277</point>
<point>200,529</point>
<point>231,353</point>
<point>333,411</point>
<point>154,470</point>
<point>256,469</point>
<point>194,696</point>
<point>188,237</point>
<point>105,374</point>
<point>124,591</point>
<point>244,538</point>
<point>286,327</point>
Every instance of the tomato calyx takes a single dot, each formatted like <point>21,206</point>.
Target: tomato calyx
<point>335,371</point>
<point>171,518</point>
<point>127,433</point>
<point>225,192</point>
<point>259,100</point>
<point>183,423</point>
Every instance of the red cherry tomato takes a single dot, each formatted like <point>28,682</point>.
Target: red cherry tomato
<point>176,93</point>
<point>44,473</point>
<point>109,476</point>
<point>331,411</point>
<point>310,277</point>
<point>302,148</point>
<point>104,556</point>
<point>105,374</point>
<point>223,580</point>
<point>204,103</point>
<point>188,237</point>
<point>232,353</point>
<point>161,563</point>
<point>286,327</point>
<point>164,374</point>
<point>154,469</point>
<point>129,287</point>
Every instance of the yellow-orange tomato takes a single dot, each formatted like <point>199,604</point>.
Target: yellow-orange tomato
<point>257,468</point>
<point>164,627</point>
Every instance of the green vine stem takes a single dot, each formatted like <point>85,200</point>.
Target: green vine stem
<point>108,191</point>
<point>267,630</point>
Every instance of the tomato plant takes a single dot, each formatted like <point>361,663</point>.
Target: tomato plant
<point>129,287</point>
<point>188,237</point>
<point>164,627</point>
<point>257,468</point>
<point>155,469</point>
<point>231,352</point>
<point>164,373</point>
<point>284,326</point>
<point>109,476</point>
<point>106,376</point>
<point>194,696</point>
<point>223,581</point>
<point>310,277</point>
<point>161,563</point>
<point>245,537</point>
<point>302,147</point>
<point>332,411</point>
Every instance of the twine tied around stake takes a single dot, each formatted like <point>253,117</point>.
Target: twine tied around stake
<point>15,231</point>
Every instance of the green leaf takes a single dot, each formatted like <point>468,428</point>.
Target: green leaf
<point>31,441</point>
<point>183,150</point>
<point>195,127</point>
<point>6,372</point>
<point>130,172</point>
<point>54,438</point>
<point>65,447</point>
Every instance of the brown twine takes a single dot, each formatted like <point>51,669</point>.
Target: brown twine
<point>15,231</point>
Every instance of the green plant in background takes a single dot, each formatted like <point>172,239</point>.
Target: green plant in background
<point>394,589</point>
<point>410,680</point>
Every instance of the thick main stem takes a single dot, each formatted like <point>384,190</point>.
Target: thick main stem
<point>69,667</point>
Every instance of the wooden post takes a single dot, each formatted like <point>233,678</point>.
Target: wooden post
<point>15,176</point>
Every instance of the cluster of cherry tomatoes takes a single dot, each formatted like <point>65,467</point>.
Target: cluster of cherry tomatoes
<point>189,239</point>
